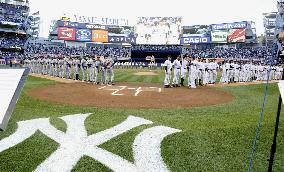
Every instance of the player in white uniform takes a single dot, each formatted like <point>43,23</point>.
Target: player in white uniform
<point>176,66</point>
<point>212,66</point>
<point>168,71</point>
<point>184,69</point>
<point>225,69</point>
<point>205,72</point>
<point>236,72</point>
<point>193,76</point>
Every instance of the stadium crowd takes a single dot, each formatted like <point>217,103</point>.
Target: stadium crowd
<point>13,13</point>
<point>60,51</point>
<point>36,50</point>
<point>12,42</point>
<point>230,53</point>
<point>156,47</point>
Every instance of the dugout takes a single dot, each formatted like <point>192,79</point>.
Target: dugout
<point>160,56</point>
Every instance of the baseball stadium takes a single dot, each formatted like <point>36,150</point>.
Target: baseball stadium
<point>150,93</point>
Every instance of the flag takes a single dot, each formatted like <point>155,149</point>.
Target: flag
<point>36,13</point>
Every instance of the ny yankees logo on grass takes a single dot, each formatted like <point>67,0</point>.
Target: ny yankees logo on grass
<point>75,143</point>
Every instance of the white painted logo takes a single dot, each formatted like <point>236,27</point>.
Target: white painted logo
<point>117,90</point>
<point>75,143</point>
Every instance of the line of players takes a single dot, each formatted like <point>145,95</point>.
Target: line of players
<point>202,72</point>
<point>71,68</point>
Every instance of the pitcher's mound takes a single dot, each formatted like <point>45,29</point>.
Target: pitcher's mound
<point>130,96</point>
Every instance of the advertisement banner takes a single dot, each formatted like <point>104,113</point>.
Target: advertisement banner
<point>10,23</point>
<point>67,34</point>
<point>237,35</point>
<point>69,24</point>
<point>219,36</point>
<point>94,26</point>
<point>100,36</point>
<point>84,35</point>
<point>121,39</point>
<point>195,39</point>
<point>61,23</point>
<point>236,25</point>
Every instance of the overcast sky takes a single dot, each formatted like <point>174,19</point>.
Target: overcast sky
<point>193,11</point>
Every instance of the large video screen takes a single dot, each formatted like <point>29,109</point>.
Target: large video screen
<point>219,36</point>
<point>237,35</point>
<point>68,34</point>
<point>158,30</point>
<point>196,29</point>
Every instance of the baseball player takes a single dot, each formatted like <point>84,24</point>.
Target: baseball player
<point>109,71</point>
<point>212,70</point>
<point>184,69</point>
<point>168,69</point>
<point>103,70</point>
<point>76,65</point>
<point>177,67</point>
<point>67,66</point>
<point>84,68</point>
<point>91,69</point>
<point>98,64</point>
<point>193,76</point>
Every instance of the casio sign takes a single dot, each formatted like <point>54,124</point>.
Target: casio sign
<point>195,40</point>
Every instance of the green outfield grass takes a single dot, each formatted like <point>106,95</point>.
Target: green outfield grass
<point>215,138</point>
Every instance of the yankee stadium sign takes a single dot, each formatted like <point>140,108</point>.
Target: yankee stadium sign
<point>100,20</point>
<point>202,39</point>
<point>76,143</point>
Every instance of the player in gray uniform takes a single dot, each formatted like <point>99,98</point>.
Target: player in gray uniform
<point>97,69</point>
<point>109,71</point>
<point>53,68</point>
<point>56,67</point>
<point>32,66</point>
<point>76,66</point>
<point>40,66</point>
<point>84,68</point>
<point>61,68</point>
<point>91,69</point>
<point>103,70</point>
<point>67,67</point>
<point>50,67</point>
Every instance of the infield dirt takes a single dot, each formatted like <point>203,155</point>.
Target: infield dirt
<point>84,94</point>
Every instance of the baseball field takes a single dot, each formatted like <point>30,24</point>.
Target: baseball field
<point>208,129</point>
